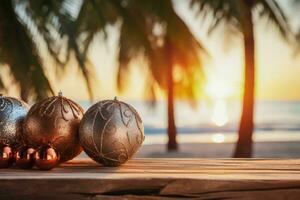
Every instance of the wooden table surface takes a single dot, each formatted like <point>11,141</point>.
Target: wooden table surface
<point>156,179</point>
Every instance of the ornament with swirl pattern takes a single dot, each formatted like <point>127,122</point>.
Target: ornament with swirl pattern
<point>54,121</point>
<point>12,114</point>
<point>110,132</point>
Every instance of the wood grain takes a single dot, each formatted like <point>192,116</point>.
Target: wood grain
<point>158,178</point>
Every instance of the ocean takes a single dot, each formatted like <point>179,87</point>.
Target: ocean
<point>218,121</point>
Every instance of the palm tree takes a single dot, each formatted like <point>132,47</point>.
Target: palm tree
<point>172,47</point>
<point>239,15</point>
<point>25,26</point>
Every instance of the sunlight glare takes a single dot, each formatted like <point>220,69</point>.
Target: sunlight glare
<point>220,117</point>
<point>218,89</point>
<point>218,138</point>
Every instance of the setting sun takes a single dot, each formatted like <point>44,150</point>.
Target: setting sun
<point>216,89</point>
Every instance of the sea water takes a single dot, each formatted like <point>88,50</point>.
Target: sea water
<point>218,121</point>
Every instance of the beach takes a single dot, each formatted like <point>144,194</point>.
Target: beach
<point>223,150</point>
<point>275,144</point>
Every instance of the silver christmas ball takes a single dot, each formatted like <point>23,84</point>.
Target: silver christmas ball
<point>12,115</point>
<point>110,132</point>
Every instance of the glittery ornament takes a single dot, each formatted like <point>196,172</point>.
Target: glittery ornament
<point>12,114</point>
<point>111,132</point>
<point>54,121</point>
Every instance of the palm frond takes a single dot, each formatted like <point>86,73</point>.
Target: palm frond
<point>218,11</point>
<point>55,22</point>
<point>43,15</point>
<point>134,41</point>
<point>273,13</point>
<point>186,50</point>
<point>230,12</point>
<point>139,38</point>
<point>23,58</point>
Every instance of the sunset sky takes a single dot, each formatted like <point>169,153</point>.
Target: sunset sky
<point>278,68</point>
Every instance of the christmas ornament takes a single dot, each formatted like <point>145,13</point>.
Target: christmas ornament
<point>46,157</point>
<point>111,132</point>
<point>24,157</point>
<point>12,114</point>
<point>6,157</point>
<point>54,121</point>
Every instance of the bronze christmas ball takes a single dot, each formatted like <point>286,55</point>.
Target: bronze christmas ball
<point>12,115</point>
<point>111,132</point>
<point>54,121</point>
<point>46,158</point>
<point>6,157</point>
<point>24,157</point>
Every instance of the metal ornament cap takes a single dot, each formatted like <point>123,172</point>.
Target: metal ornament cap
<point>55,121</point>
<point>110,132</point>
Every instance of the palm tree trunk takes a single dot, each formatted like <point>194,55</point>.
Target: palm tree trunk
<point>244,143</point>
<point>172,143</point>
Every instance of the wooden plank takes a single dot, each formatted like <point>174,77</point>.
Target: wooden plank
<point>158,178</point>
